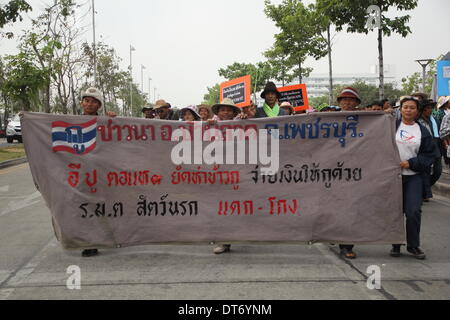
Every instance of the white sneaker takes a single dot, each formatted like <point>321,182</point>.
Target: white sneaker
<point>222,248</point>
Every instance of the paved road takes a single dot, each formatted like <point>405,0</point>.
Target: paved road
<point>4,144</point>
<point>34,266</point>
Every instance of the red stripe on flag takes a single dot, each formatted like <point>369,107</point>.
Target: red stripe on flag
<point>71,150</point>
<point>65,124</point>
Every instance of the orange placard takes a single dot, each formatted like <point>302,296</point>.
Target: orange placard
<point>297,95</point>
<point>238,90</point>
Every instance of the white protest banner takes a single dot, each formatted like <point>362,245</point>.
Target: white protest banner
<point>334,177</point>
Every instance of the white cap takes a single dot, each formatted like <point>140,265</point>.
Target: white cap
<point>93,93</point>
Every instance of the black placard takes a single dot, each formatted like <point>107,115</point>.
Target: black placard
<point>235,92</point>
<point>295,97</point>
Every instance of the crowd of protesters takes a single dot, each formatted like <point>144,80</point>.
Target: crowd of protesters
<point>425,124</point>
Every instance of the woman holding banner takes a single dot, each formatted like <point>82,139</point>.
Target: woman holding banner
<point>417,154</point>
<point>190,114</point>
<point>205,112</point>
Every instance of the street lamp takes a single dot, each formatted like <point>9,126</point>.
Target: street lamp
<point>142,77</point>
<point>424,63</point>
<point>154,93</point>
<point>149,90</point>
<point>131,74</point>
<point>94,46</point>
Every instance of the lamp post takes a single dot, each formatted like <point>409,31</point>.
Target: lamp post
<point>142,77</point>
<point>154,94</point>
<point>94,46</point>
<point>424,63</point>
<point>149,90</point>
<point>131,75</point>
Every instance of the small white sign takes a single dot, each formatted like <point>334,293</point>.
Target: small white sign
<point>446,72</point>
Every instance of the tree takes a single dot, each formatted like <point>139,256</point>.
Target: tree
<point>23,81</point>
<point>11,11</point>
<point>324,23</point>
<point>260,72</point>
<point>213,95</point>
<point>44,40</point>
<point>299,37</point>
<point>277,61</point>
<point>353,14</point>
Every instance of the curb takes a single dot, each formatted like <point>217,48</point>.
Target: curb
<point>442,189</point>
<point>10,163</point>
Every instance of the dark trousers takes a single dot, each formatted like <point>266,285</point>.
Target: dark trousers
<point>412,207</point>
<point>437,171</point>
<point>430,180</point>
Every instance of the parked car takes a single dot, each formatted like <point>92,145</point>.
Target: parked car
<point>14,130</point>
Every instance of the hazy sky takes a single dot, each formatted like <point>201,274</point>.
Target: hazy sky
<point>183,43</point>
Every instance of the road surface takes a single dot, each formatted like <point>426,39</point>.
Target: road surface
<point>34,266</point>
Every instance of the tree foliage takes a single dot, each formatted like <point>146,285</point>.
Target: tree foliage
<point>260,72</point>
<point>299,38</point>
<point>353,16</point>
<point>213,95</point>
<point>52,69</point>
<point>11,12</point>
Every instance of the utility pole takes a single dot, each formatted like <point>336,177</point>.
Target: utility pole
<point>149,89</point>
<point>131,75</point>
<point>94,46</point>
<point>424,63</point>
<point>142,77</point>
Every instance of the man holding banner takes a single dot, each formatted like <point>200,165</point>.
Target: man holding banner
<point>348,100</point>
<point>271,109</point>
<point>91,102</point>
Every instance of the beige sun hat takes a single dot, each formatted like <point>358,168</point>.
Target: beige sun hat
<point>93,93</point>
<point>227,102</point>
<point>161,104</point>
<point>442,101</point>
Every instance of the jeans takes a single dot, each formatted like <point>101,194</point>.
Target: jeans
<point>437,171</point>
<point>412,207</point>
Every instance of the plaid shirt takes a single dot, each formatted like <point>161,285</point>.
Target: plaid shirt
<point>445,127</point>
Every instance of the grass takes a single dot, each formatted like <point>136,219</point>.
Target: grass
<point>11,153</point>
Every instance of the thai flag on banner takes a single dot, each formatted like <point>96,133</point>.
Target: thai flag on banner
<point>74,138</point>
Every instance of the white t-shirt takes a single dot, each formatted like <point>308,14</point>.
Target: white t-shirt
<point>408,140</point>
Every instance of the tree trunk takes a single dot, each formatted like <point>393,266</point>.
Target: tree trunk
<point>330,64</point>
<point>381,63</point>
<point>47,99</point>
<point>300,72</point>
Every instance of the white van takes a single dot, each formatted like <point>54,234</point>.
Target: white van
<point>14,130</point>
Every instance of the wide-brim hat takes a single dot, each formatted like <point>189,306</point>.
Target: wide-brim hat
<point>270,87</point>
<point>349,92</point>
<point>161,104</point>
<point>227,102</point>
<point>93,93</point>
<point>424,96</point>
<point>194,111</point>
<point>147,108</point>
<point>442,101</point>
<point>428,102</point>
